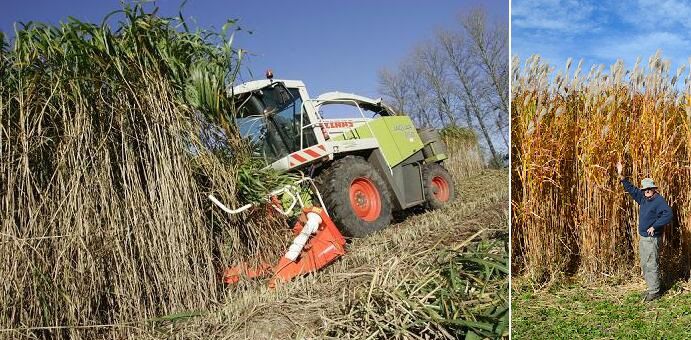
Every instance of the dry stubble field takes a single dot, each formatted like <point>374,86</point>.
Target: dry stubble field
<point>371,290</point>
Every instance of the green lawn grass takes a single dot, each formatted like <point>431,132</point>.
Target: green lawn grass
<point>600,312</point>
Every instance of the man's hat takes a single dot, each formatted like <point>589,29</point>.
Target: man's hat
<point>647,183</point>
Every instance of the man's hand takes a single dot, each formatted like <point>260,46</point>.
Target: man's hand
<point>620,168</point>
<point>651,231</point>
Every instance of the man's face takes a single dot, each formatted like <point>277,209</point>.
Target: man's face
<point>649,193</point>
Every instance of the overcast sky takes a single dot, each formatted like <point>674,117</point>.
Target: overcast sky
<point>601,32</point>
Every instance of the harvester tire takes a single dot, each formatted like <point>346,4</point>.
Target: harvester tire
<point>439,186</point>
<point>355,196</point>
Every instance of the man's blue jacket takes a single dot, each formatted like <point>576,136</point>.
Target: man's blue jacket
<point>654,211</point>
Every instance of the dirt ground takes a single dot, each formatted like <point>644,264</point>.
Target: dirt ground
<point>314,305</point>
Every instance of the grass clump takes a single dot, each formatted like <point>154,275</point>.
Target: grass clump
<point>106,159</point>
<point>463,146</point>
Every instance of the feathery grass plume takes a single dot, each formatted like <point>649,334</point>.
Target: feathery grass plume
<point>571,214</point>
<point>106,161</point>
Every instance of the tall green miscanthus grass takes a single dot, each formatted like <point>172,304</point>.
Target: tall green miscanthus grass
<point>106,159</point>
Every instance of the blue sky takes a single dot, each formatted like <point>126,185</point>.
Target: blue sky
<point>329,45</point>
<point>600,32</point>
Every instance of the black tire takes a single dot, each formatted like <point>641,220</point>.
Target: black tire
<point>335,184</point>
<point>439,186</point>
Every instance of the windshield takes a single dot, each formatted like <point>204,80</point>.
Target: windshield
<point>270,120</point>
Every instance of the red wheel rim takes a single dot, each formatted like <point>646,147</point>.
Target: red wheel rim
<point>365,200</point>
<point>442,192</point>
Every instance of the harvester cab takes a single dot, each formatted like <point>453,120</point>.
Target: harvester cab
<point>362,167</point>
<point>271,116</point>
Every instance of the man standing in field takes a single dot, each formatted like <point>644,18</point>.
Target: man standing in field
<point>654,214</point>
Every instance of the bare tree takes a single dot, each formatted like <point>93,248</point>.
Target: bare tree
<point>395,88</point>
<point>460,76</point>
<point>490,49</point>
<point>408,91</point>
<point>420,95</point>
<point>433,66</point>
<point>469,78</point>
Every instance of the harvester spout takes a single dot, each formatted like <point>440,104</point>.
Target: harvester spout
<point>311,227</point>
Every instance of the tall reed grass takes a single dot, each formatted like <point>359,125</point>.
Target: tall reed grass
<point>106,159</point>
<point>570,213</point>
